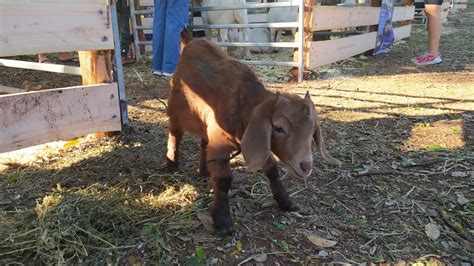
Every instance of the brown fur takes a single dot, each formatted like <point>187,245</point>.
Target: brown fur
<point>222,101</point>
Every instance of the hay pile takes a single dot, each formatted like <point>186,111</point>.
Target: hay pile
<point>68,225</point>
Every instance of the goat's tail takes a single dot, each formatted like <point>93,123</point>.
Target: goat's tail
<point>186,36</point>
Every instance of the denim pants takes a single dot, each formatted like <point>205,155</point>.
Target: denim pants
<point>169,19</point>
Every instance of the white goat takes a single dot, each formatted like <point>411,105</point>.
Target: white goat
<point>226,17</point>
<point>281,14</point>
<point>260,35</point>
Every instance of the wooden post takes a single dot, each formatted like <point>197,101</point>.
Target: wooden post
<point>325,37</point>
<point>308,37</point>
<point>375,3</point>
<point>406,3</point>
<point>96,68</point>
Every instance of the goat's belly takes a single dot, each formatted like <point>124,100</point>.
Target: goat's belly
<point>194,119</point>
<point>221,17</point>
<point>191,123</point>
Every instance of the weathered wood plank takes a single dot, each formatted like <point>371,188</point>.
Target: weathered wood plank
<point>29,27</point>
<point>96,68</point>
<point>38,117</point>
<point>41,66</point>
<point>7,89</point>
<point>458,6</point>
<point>336,17</point>
<point>326,52</point>
<point>401,13</point>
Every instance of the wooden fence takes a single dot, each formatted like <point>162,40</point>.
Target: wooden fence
<point>339,17</point>
<point>48,26</point>
<point>329,18</point>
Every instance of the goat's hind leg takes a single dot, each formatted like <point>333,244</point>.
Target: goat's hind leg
<point>203,171</point>
<point>279,192</point>
<point>174,138</point>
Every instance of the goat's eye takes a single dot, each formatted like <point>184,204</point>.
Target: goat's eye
<point>279,130</point>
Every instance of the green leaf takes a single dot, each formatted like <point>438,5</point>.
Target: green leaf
<point>200,253</point>
<point>379,258</point>
<point>14,177</point>
<point>435,147</point>
<point>459,228</point>
<point>285,246</point>
<point>280,226</point>
<point>147,230</point>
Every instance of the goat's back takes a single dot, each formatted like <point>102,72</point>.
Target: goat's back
<point>210,85</point>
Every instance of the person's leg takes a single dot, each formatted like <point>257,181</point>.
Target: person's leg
<point>43,58</point>
<point>159,19</point>
<point>433,12</point>
<point>176,20</point>
<point>125,38</point>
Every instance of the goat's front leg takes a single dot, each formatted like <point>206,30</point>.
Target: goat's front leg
<point>205,21</point>
<point>279,192</point>
<point>246,33</point>
<point>174,137</point>
<point>221,175</point>
<point>223,38</point>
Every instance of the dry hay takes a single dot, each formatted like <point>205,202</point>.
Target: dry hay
<point>77,224</point>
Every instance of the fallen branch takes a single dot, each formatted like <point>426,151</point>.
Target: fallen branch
<point>445,219</point>
<point>424,163</point>
<point>379,172</point>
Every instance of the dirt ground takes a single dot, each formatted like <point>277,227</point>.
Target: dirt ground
<point>404,193</point>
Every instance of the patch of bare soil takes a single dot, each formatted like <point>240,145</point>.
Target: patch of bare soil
<point>404,192</point>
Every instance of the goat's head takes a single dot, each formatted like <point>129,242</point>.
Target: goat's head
<point>286,126</point>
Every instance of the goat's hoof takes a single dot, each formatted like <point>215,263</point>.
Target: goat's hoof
<point>223,226</point>
<point>171,168</point>
<point>224,231</point>
<point>288,206</point>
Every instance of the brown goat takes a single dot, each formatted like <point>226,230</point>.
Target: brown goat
<point>223,102</point>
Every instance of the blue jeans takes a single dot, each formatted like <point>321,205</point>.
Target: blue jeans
<point>169,19</point>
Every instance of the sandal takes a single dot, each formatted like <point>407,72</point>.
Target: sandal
<point>46,61</point>
<point>68,57</point>
<point>42,58</point>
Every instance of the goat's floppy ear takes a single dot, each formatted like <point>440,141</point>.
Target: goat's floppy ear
<point>318,138</point>
<point>256,141</point>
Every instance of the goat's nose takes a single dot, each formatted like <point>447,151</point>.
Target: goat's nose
<point>306,167</point>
